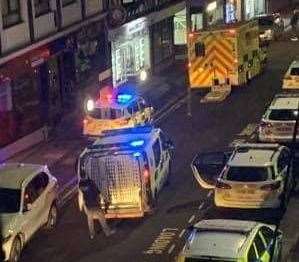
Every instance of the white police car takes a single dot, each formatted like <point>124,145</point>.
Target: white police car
<point>115,110</point>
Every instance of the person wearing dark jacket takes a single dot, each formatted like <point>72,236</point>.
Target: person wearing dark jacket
<point>89,201</point>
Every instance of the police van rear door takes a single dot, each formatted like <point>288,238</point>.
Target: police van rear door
<point>118,177</point>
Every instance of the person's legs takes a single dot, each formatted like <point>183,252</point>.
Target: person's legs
<point>101,217</point>
<point>90,216</point>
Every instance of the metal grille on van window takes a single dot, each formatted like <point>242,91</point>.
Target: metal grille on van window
<point>117,177</point>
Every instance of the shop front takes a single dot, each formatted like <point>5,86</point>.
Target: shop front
<point>130,50</point>
<point>91,50</point>
<point>20,112</point>
<point>254,8</point>
<point>162,43</point>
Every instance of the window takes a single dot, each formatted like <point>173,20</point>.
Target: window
<point>157,152</point>
<point>259,244</point>
<point>248,174</point>
<point>251,256</point>
<point>40,182</point>
<point>295,71</point>
<point>41,7</point>
<point>11,14</point>
<point>200,49</point>
<point>30,194</point>
<point>283,114</point>
<point>268,235</point>
<point>68,2</point>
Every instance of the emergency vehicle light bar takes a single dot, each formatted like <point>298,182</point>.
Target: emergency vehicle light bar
<point>135,130</point>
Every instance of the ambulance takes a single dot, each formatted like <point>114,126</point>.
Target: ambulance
<point>130,167</point>
<point>225,55</point>
<point>114,109</point>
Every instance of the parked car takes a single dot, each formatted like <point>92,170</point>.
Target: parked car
<point>225,240</point>
<point>28,195</point>
<point>271,27</point>
<point>291,77</point>
<point>252,176</point>
<point>278,122</point>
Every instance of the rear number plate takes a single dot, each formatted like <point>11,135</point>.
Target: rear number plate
<point>246,191</point>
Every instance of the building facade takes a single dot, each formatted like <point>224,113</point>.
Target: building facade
<point>47,48</point>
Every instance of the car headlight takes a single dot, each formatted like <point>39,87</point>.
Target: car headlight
<point>90,105</point>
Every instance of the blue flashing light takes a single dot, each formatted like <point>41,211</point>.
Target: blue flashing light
<point>137,154</point>
<point>137,143</point>
<point>124,98</point>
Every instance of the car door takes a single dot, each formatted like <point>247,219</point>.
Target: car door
<point>273,241</point>
<point>145,110</point>
<point>30,214</point>
<point>207,167</point>
<point>261,248</point>
<point>160,162</point>
<point>252,255</point>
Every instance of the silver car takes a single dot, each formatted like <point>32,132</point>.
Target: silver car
<point>28,195</point>
<point>225,240</point>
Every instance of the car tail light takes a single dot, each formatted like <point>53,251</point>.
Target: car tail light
<point>85,121</point>
<point>271,187</point>
<point>222,185</point>
<point>146,173</point>
<point>264,124</point>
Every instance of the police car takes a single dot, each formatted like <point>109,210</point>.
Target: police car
<point>115,110</point>
<point>130,167</point>
<point>291,77</point>
<point>278,122</point>
<point>252,176</point>
<point>225,240</point>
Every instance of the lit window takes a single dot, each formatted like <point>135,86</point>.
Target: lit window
<point>41,7</point>
<point>10,12</point>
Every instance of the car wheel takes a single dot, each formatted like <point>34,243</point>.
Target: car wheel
<point>52,217</point>
<point>16,249</point>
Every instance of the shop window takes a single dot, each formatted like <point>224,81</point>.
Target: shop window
<point>41,7</point>
<point>68,2</point>
<point>11,13</point>
<point>200,49</point>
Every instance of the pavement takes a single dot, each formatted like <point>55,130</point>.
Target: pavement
<point>64,145</point>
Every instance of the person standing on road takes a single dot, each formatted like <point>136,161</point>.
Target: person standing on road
<point>89,201</point>
<point>294,24</point>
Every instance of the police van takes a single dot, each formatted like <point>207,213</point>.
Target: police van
<point>129,167</point>
<point>114,110</point>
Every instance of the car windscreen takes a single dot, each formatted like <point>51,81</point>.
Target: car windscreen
<point>106,113</point>
<point>282,114</point>
<point>10,200</point>
<point>265,21</point>
<point>294,71</point>
<point>247,174</point>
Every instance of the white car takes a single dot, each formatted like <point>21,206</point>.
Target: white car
<point>291,77</point>
<point>225,240</point>
<point>28,195</point>
<point>254,176</point>
<point>278,122</point>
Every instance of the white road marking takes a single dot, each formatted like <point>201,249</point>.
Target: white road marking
<point>182,233</point>
<point>171,248</point>
<point>162,242</point>
<point>191,219</point>
<point>201,205</point>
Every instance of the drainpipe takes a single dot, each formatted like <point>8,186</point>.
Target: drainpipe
<point>30,20</point>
